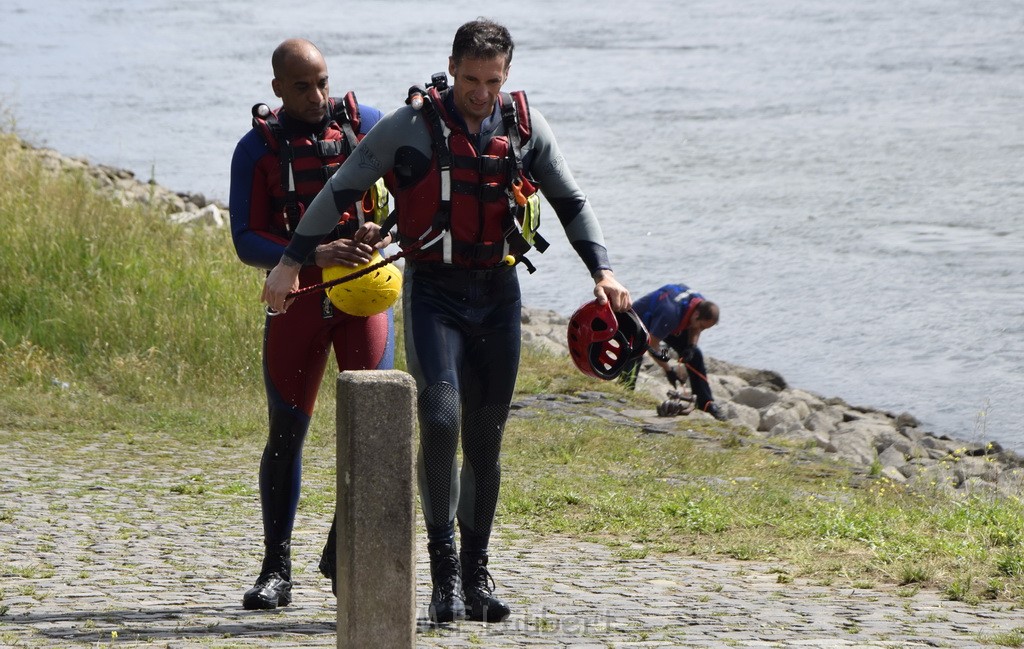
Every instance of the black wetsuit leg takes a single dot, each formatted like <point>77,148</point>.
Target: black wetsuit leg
<point>462,337</point>
<point>694,368</point>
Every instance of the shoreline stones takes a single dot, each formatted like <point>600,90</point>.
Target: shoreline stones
<point>881,444</point>
<point>181,207</point>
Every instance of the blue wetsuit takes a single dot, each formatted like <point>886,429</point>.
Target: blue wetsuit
<point>667,313</point>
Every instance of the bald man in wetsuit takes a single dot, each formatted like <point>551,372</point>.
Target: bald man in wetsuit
<point>277,169</point>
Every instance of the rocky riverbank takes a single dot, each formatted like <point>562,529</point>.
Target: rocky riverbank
<point>180,207</point>
<point>761,407</point>
<point>764,410</point>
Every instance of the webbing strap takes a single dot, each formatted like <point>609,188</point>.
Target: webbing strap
<point>291,195</point>
<point>350,137</point>
<point>440,132</point>
<point>510,117</point>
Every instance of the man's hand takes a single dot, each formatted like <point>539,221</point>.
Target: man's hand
<point>369,233</point>
<point>343,252</point>
<point>608,290</point>
<point>281,281</point>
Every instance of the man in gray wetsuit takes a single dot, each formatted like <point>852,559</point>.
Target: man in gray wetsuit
<point>460,168</point>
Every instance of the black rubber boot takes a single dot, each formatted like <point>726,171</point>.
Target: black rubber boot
<point>446,604</point>
<point>477,583</point>
<point>712,409</point>
<point>274,586</point>
<point>328,560</point>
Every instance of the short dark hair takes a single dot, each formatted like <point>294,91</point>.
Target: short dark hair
<point>482,39</point>
<point>706,310</point>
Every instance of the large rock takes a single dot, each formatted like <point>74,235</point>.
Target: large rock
<point>743,415</point>
<point>824,420</point>
<point>782,414</point>
<point>755,397</point>
<point>892,457</point>
<point>854,444</point>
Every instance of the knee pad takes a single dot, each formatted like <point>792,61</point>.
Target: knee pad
<point>482,433</point>
<point>439,407</point>
<point>481,478</point>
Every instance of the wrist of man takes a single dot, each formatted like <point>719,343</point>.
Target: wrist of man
<point>290,262</point>
<point>602,274</point>
<point>311,259</point>
<point>300,248</point>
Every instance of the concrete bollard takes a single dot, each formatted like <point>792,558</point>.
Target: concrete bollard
<point>376,510</point>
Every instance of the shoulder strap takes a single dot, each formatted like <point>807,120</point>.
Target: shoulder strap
<point>440,128</point>
<point>523,113</point>
<point>266,123</point>
<point>439,125</point>
<point>515,114</point>
<point>346,113</point>
<point>510,117</point>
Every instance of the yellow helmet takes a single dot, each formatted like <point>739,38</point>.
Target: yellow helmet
<point>373,293</point>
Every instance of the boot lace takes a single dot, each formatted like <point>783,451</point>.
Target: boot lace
<point>479,584</point>
<point>446,580</point>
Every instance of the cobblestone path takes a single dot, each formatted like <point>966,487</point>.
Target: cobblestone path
<point>128,544</point>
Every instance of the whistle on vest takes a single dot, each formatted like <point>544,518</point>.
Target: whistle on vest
<point>438,80</point>
<point>415,98</point>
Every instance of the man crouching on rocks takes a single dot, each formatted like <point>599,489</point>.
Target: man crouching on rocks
<point>676,315</point>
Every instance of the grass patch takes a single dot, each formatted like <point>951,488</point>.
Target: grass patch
<point>593,480</point>
<point>1012,638</point>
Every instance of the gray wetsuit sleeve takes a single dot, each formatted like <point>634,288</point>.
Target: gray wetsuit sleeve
<point>374,157</point>
<point>556,181</point>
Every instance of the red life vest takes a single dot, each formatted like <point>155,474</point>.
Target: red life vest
<point>474,200</point>
<point>691,307</point>
<point>308,162</point>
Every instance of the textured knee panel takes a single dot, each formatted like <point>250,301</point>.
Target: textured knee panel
<point>481,476</point>
<point>439,438</point>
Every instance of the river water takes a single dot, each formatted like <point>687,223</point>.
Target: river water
<point>845,179</point>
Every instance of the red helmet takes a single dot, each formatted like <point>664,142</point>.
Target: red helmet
<point>602,342</point>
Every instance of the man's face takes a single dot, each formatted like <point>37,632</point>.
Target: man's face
<point>476,84</point>
<point>302,87</point>
<point>702,325</point>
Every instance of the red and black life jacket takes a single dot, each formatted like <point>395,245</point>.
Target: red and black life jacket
<point>306,163</point>
<point>475,198</point>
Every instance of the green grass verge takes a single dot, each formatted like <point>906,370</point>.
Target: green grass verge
<point>156,329</point>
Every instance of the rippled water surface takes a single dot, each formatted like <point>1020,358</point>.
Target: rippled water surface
<point>845,179</point>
